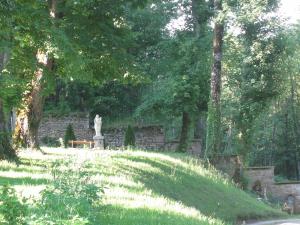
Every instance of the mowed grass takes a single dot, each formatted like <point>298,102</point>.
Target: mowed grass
<point>145,188</point>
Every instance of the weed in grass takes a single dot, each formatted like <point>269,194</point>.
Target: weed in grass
<point>13,211</point>
<point>72,198</point>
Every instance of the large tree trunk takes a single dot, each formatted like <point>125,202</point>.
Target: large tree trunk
<point>213,142</point>
<point>184,139</point>
<point>295,122</point>
<point>6,150</point>
<point>29,117</point>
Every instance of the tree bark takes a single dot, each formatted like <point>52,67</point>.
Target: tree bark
<point>6,149</point>
<point>196,19</point>
<point>295,123</point>
<point>213,143</point>
<point>30,115</point>
<point>184,139</point>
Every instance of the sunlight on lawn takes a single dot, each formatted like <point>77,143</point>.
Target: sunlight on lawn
<point>126,199</point>
<point>179,163</point>
<point>140,187</point>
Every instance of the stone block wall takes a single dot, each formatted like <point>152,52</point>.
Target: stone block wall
<point>195,147</point>
<point>148,138</point>
<point>56,127</point>
<point>279,191</point>
<point>265,175</point>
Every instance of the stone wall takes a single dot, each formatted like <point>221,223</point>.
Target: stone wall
<point>279,191</point>
<point>148,138</point>
<point>265,175</point>
<point>195,147</point>
<point>56,127</point>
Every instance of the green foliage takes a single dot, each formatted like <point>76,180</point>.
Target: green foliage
<point>254,70</point>
<point>129,139</point>
<point>69,135</point>
<point>72,196</point>
<point>113,100</point>
<point>243,182</point>
<point>50,141</point>
<point>11,208</point>
<point>281,179</point>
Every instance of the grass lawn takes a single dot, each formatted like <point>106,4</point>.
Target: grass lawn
<point>143,188</point>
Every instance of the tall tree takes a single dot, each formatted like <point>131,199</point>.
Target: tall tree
<point>213,141</point>
<point>79,43</point>
<point>30,115</point>
<point>179,65</point>
<point>200,15</point>
<point>261,69</point>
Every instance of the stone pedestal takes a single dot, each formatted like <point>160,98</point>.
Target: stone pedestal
<point>99,142</point>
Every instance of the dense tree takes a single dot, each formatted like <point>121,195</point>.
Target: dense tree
<point>180,66</point>
<point>254,68</point>
<point>275,134</point>
<point>67,42</point>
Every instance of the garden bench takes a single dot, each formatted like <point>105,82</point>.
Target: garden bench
<point>84,142</point>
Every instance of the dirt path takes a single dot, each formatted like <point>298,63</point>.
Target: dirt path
<point>278,222</point>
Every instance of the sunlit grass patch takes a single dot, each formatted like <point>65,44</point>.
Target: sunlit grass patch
<point>140,188</point>
<point>164,180</point>
<point>148,201</point>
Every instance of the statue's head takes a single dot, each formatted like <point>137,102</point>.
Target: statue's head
<point>97,116</point>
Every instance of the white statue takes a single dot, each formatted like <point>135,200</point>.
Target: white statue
<point>97,125</point>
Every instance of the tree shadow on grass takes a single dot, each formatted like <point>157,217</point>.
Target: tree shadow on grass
<point>23,169</point>
<point>22,181</point>
<point>34,162</point>
<point>120,215</point>
<point>210,197</point>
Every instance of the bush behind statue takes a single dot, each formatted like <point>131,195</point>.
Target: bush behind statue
<point>50,141</point>
<point>129,137</point>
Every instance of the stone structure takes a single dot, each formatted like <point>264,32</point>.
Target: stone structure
<point>56,127</point>
<point>285,192</point>
<point>148,137</point>
<point>98,138</point>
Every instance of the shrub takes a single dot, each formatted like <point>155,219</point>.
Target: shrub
<point>12,210</point>
<point>69,135</point>
<point>50,141</point>
<point>129,137</point>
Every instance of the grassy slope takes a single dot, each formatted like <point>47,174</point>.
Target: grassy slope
<point>143,188</point>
